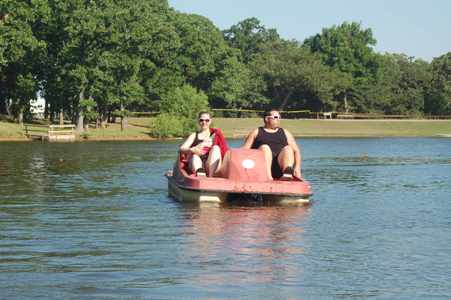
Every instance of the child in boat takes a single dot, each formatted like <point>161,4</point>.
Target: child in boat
<point>205,149</point>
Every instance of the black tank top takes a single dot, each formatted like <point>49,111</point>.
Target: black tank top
<point>276,141</point>
<point>197,141</point>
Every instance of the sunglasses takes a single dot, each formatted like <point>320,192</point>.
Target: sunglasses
<point>204,120</point>
<point>273,117</point>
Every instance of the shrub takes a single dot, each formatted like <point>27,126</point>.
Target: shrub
<point>167,126</point>
<point>184,102</point>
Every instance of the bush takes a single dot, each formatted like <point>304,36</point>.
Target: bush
<point>184,102</point>
<point>169,126</point>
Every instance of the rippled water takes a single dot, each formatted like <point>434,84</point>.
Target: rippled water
<point>93,221</point>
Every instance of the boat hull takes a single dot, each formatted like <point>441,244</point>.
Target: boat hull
<point>203,196</point>
<point>245,177</point>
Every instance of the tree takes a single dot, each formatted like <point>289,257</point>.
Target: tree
<point>294,77</point>
<point>202,50</point>
<point>248,36</point>
<point>101,52</point>
<point>235,86</point>
<point>438,100</point>
<point>348,49</point>
<point>20,54</point>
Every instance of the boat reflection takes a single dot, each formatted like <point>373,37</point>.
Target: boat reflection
<point>231,238</point>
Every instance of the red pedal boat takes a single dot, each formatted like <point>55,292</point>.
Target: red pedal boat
<point>245,174</point>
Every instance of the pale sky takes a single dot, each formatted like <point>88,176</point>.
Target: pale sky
<point>417,28</point>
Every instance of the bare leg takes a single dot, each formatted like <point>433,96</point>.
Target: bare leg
<point>222,170</point>
<point>195,163</point>
<point>286,158</point>
<point>268,158</point>
<point>213,163</point>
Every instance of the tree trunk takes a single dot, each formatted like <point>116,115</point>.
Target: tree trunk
<point>124,121</point>
<point>20,117</point>
<point>103,119</point>
<point>8,107</point>
<point>46,110</point>
<point>285,100</point>
<point>61,117</point>
<point>80,120</point>
<point>346,103</point>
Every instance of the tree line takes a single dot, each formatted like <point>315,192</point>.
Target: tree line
<point>99,59</point>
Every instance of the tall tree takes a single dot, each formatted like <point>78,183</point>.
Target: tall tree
<point>348,49</point>
<point>294,77</point>
<point>202,50</point>
<point>102,51</point>
<point>20,54</point>
<point>248,36</point>
<point>438,101</point>
<point>235,86</point>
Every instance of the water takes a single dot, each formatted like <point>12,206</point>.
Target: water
<point>93,221</point>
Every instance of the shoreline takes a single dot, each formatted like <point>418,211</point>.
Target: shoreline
<point>235,137</point>
<point>239,128</point>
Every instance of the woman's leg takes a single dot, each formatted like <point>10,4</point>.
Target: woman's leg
<point>286,158</point>
<point>268,158</point>
<point>195,163</point>
<point>213,163</point>
<point>222,170</point>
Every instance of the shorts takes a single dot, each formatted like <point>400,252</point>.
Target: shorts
<point>275,168</point>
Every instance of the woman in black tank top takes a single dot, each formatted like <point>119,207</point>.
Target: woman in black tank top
<point>278,145</point>
<point>276,140</point>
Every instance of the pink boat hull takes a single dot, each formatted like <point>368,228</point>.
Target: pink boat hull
<point>245,174</point>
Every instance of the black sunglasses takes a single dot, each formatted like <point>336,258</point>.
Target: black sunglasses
<point>204,120</point>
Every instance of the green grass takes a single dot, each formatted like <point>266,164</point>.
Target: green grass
<point>238,128</point>
<point>113,131</point>
<point>10,130</point>
<point>342,128</point>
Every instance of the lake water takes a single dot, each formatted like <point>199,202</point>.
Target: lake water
<point>93,221</point>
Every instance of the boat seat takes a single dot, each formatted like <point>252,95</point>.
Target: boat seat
<point>246,165</point>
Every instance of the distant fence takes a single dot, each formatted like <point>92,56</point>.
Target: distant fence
<point>302,114</point>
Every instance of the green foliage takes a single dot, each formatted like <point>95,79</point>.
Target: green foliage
<point>248,36</point>
<point>291,73</point>
<point>179,112</point>
<point>347,47</point>
<point>202,50</point>
<point>87,107</point>
<point>236,87</point>
<point>438,100</point>
<point>168,126</point>
<point>143,55</point>
<point>184,102</point>
<point>20,52</point>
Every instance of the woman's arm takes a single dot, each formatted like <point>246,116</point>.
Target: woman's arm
<point>186,146</point>
<point>297,153</point>
<point>250,139</point>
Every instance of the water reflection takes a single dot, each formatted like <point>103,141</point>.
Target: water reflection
<point>270,237</point>
<point>92,220</point>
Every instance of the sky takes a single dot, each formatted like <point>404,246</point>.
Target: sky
<point>418,28</point>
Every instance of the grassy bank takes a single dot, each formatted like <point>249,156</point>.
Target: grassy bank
<point>347,128</point>
<point>238,128</point>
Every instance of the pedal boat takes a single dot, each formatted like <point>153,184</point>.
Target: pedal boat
<point>245,174</point>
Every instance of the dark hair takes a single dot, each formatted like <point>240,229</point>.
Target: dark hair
<point>202,113</point>
<point>268,112</point>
